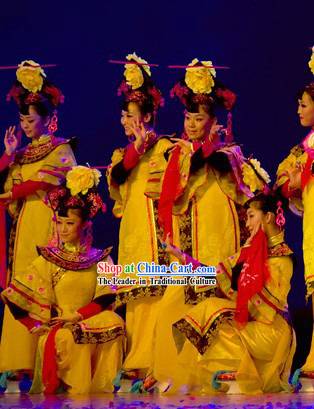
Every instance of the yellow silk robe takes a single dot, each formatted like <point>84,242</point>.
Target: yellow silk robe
<point>136,204</point>
<point>40,161</point>
<point>208,339</point>
<point>302,203</point>
<point>90,352</point>
<point>209,230</point>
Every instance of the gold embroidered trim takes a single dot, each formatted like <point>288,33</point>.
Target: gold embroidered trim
<point>297,150</point>
<point>57,275</point>
<point>202,343</point>
<point>138,292</point>
<point>93,337</point>
<point>31,154</point>
<point>72,261</point>
<point>279,250</point>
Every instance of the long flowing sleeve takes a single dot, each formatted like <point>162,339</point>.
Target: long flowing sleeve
<point>225,161</point>
<point>4,161</point>
<point>51,173</point>
<point>117,191</point>
<point>32,291</point>
<point>297,154</point>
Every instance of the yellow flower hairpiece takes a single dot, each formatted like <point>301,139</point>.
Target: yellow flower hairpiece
<point>140,60</point>
<point>133,73</point>
<point>200,80</point>
<point>311,62</point>
<point>81,178</point>
<point>250,172</point>
<point>31,76</point>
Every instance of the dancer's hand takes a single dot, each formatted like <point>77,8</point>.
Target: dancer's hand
<point>295,176</point>
<point>139,132</point>
<point>40,330</point>
<point>213,134</point>
<point>71,317</point>
<point>253,233</point>
<point>185,146</point>
<point>172,249</point>
<point>6,196</point>
<point>10,140</point>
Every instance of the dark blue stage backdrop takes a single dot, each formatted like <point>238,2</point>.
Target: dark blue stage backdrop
<point>266,44</point>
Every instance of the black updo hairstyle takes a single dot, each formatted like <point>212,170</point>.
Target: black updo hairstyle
<point>309,89</point>
<point>268,202</point>
<point>146,106</point>
<point>66,201</point>
<point>193,107</point>
<point>82,212</point>
<point>209,102</point>
<point>43,109</point>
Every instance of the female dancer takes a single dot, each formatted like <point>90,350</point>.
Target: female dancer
<point>59,298</point>
<point>10,143</point>
<point>246,331</point>
<point>204,182</point>
<point>34,170</point>
<point>134,175</point>
<point>295,180</point>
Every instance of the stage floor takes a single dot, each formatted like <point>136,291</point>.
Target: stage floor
<point>297,400</point>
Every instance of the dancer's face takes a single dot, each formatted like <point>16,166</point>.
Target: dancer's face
<point>70,229</point>
<point>33,124</point>
<point>306,110</point>
<point>197,125</point>
<point>133,115</point>
<point>255,218</point>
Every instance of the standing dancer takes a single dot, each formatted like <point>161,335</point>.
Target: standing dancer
<point>295,180</point>
<point>135,173</point>
<point>11,144</point>
<point>204,185</point>
<point>34,170</point>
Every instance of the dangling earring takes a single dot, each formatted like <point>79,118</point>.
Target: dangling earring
<point>89,236</point>
<point>53,125</point>
<point>229,136</point>
<point>19,134</point>
<point>131,138</point>
<point>280,219</point>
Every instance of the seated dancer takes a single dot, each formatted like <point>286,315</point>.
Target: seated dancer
<point>295,181</point>
<point>246,331</point>
<point>58,297</point>
<point>33,170</point>
<point>206,186</point>
<point>135,172</point>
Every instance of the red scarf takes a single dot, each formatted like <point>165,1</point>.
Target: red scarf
<point>169,192</point>
<point>254,274</point>
<point>49,371</point>
<point>307,173</point>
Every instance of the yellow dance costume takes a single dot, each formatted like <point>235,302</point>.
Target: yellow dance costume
<point>136,205</point>
<point>61,281</point>
<point>302,203</point>
<point>40,161</point>
<point>209,231</point>
<point>209,340</point>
